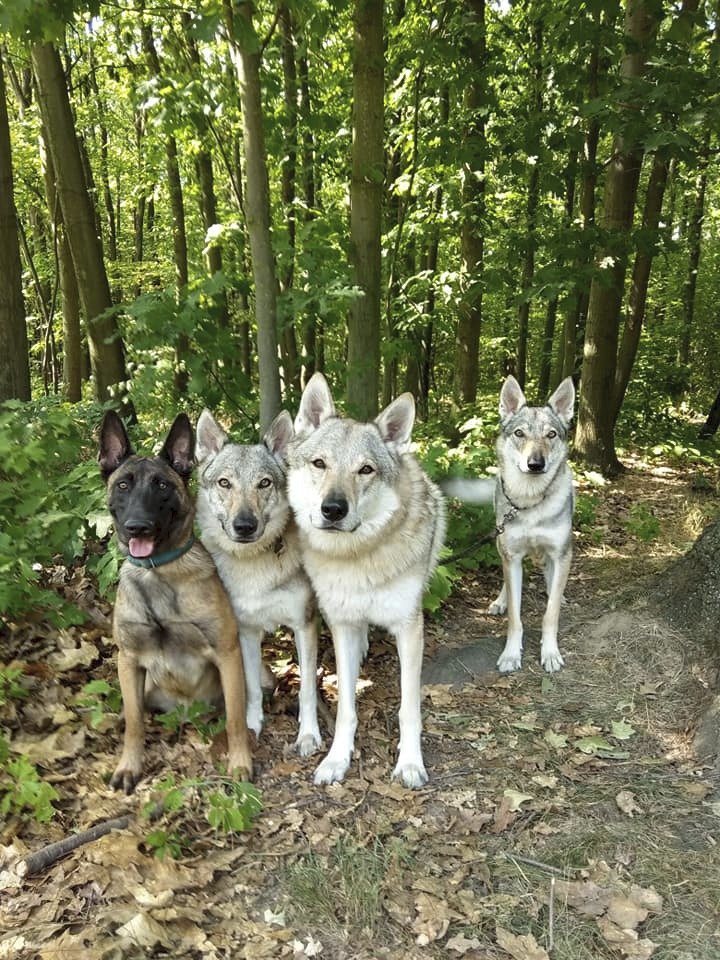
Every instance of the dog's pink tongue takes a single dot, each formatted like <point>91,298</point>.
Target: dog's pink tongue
<point>141,547</point>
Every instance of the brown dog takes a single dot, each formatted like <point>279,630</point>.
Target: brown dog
<point>173,623</point>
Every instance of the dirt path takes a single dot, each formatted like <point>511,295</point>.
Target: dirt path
<point>565,812</point>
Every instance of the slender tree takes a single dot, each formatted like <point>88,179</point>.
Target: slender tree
<point>247,54</point>
<point>107,356</point>
<point>366,191</point>
<point>595,438</point>
<point>14,364</point>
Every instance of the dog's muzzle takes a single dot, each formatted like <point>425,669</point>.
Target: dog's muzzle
<point>536,463</point>
<point>334,508</point>
<point>245,527</point>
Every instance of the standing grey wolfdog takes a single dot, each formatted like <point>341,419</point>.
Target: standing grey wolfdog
<point>371,526</point>
<point>248,528</point>
<point>533,494</point>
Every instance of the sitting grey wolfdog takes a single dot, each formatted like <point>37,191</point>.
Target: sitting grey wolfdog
<point>248,529</point>
<point>371,526</point>
<point>533,495</point>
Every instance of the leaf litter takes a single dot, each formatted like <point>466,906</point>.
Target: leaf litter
<point>565,816</point>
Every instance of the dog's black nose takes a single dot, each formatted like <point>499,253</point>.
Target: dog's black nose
<point>245,524</point>
<point>138,527</point>
<point>334,508</point>
<point>536,463</point>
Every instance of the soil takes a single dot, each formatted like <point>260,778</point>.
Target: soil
<point>569,813</point>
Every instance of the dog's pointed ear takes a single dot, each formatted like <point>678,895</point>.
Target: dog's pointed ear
<point>563,400</point>
<point>396,421</point>
<point>211,437</point>
<point>115,446</point>
<point>512,398</point>
<point>316,405</point>
<point>279,434</point>
<point>179,447</point>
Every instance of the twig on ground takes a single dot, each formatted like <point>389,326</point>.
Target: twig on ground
<point>46,856</point>
<point>551,917</point>
<point>549,868</point>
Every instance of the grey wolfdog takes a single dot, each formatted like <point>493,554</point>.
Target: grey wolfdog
<point>533,494</point>
<point>371,525</point>
<point>248,528</point>
<point>173,623</point>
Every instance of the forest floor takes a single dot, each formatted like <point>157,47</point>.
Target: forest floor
<point>565,816</point>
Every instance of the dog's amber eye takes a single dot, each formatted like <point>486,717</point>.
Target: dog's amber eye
<point>519,433</point>
<point>552,434</point>
<point>224,482</point>
<point>264,483</point>
<point>366,470</point>
<point>320,464</point>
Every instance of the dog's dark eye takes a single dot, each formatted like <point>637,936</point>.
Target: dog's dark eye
<point>366,470</point>
<point>552,434</point>
<point>122,484</point>
<point>162,484</point>
<point>264,483</point>
<point>519,433</point>
<point>224,482</point>
<point>320,464</point>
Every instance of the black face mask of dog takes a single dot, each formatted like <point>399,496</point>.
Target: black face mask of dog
<point>146,494</point>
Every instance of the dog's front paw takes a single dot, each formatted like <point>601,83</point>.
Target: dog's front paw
<point>509,661</point>
<point>331,770</point>
<point>411,775</point>
<point>308,743</point>
<point>126,776</point>
<point>551,660</point>
<point>497,608</point>
<point>240,765</point>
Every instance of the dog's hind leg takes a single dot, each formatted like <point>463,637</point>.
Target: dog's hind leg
<point>251,646</point>
<point>349,642</point>
<point>410,769</point>
<point>309,739</point>
<point>511,657</point>
<point>550,656</point>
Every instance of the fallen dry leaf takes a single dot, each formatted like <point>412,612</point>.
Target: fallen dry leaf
<point>626,801</point>
<point>520,947</point>
<point>461,944</point>
<point>626,941</point>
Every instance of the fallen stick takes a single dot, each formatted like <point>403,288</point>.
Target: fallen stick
<point>46,856</point>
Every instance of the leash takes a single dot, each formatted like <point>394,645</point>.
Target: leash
<point>488,538</point>
<point>160,559</point>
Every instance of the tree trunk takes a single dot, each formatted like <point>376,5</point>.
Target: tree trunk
<point>14,364</point>
<point>694,248</point>
<point>311,329</point>
<point>595,438</point>
<point>640,279</point>
<point>106,347</point>
<point>366,189</point>
<point>709,428</point>
<point>533,198</point>
<point>576,313</point>
<point>177,212</point>
<point>257,208</point>
<point>472,231</point>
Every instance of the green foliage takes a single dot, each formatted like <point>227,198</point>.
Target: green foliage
<point>228,806</point>
<point>99,698</point>
<point>202,717</point>
<point>49,499</point>
<point>22,791</point>
<point>642,523</point>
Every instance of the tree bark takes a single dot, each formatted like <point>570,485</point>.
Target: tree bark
<point>595,438</point>
<point>640,279</point>
<point>472,231</point>
<point>366,189</point>
<point>533,198</point>
<point>311,326</point>
<point>177,212</point>
<point>694,237</point>
<point>14,362</point>
<point>106,347</point>
<point>257,208</point>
